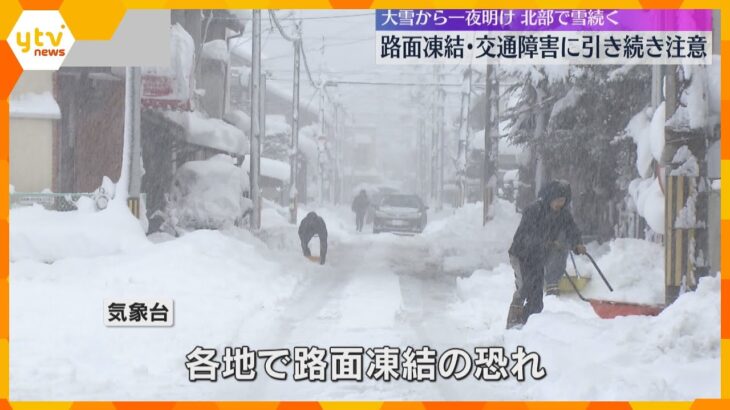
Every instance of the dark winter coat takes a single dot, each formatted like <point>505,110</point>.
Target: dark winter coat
<point>360,204</point>
<point>311,225</point>
<point>540,225</point>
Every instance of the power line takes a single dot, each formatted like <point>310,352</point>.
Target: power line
<point>306,67</point>
<point>272,14</point>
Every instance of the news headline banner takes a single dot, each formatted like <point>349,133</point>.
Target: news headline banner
<point>412,36</point>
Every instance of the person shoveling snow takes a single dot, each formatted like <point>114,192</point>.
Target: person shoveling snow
<point>312,225</point>
<point>539,228</point>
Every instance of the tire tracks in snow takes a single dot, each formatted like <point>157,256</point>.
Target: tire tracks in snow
<point>374,291</point>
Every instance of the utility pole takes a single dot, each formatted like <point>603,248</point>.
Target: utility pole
<point>294,151</point>
<point>422,161</point>
<point>294,146</point>
<point>256,109</point>
<point>433,152</point>
<point>488,165</point>
<point>322,143</point>
<point>337,175</point>
<point>441,117</point>
<point>262,135</point>
<point>135,154</point>
<point>321,154</point>
<point>461,157</point>
<point>495,135</point>
<point>130,178</point>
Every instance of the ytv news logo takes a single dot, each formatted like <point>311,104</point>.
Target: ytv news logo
<point>41,40</point>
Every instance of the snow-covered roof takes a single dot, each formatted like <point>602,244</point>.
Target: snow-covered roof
<point>215,50</point>
<point>271,168</point>
<point>238,118</point>
<point>34,106</point>
<point>210,132</point>
<point>241,47</point>
<point>308,146</point>
<point>276,124</point>
<point>284,94</point>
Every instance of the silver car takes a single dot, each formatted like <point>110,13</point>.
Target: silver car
<point>400,213</point>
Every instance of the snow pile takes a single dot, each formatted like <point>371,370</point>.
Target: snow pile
<point>657,132</point>
<point>210,132</point>
<point>646,128</point>
<point>34,106</point>
<point>208,194</point>
<point>633,267</point>
<point>692,112</point>
<point>687,163</point>
<point>638,129</point>
<point>215,50</point>
<point>48,236</point>
<point>219,282</point>
<point>649,201</point>
<point>674,356</point>
<point>713,90</point>
<point>687,216</point>
<point>689,328</point>
<point>465,244</point>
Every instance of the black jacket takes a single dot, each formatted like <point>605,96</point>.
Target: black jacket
<point>360,204</point>
<point>311,225</point>
<point>540,225</point>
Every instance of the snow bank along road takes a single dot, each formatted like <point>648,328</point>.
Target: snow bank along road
<point>447,288</point>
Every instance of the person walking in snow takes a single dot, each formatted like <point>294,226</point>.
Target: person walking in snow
<point>312,225</point>
<point>541,224</point>
<point>556,253</point>
<point>360,206</point>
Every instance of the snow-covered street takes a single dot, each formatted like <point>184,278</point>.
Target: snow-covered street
<point>449,287</point>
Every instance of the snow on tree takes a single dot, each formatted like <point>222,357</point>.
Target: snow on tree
<point>581,110</point>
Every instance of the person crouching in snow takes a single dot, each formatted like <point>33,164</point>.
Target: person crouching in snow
<point>542,222</point>
<point>311,225</point>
